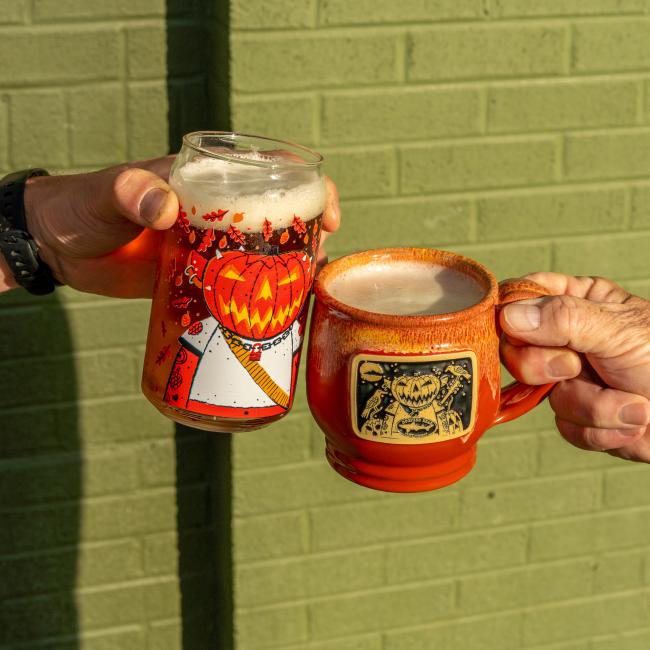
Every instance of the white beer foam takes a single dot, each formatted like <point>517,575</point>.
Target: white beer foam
<point>209,185</point>
<point>405,288</point>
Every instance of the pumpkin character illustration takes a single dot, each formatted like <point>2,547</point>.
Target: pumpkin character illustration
<point>242,361</point>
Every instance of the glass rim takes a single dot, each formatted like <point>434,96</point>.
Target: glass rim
<point>233,135</point>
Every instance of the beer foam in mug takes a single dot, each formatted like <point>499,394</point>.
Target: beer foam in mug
<point>254,194</point>
<point>405,288</point>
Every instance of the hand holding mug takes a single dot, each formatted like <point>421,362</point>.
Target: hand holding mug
<point>594,338</point>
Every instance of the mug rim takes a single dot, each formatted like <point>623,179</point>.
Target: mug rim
<point>233,136</point>
<point>440,257</point>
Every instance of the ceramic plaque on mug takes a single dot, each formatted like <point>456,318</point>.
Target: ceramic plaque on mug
<point>403,369</point>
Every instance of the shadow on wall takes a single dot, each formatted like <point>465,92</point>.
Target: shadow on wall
<point>41,470</point>
<point>198,95</point>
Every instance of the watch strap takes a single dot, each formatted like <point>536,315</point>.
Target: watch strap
<point>16,244</point>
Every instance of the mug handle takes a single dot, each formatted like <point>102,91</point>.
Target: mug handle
<point>518,398</point>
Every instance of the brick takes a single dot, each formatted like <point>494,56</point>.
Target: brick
<point>486,163</point>
<point>103,374</point>
<point>523,8</point>
<point>362,173</point>
<point>38,128</point>
<point>120,420</point>
<point>556,456</point>
<point>361,524</point>
<point>278,626</point>
<point>291,488</point>
<point>193,630</point>
<point>286,441</point>
<point>290,118</point>
<point>28,431</point>
<point>395,222</point>
<point>572,645</point>
<point>382,608</point>
<point>477,633</point>
<point>62,10</point>
<point>526,214</point>
<point>604,155</point>
<point>147,46</point>
<point>594,616</point>
<point>147,119</point>
<point>12,11</point>
<point>579,536</point>
<point>626,486</point>
<point>308,577</point>
<point>282,14</point>
<point>367,116</point>
<point>620,256</point>
<point>64,378</point>
<point>183,461</point>
<point>471,52</point>
<point>314,59</point>
<point>23,328</point>
<point>270,536</point>
<point>55,478</point>
<point>459,554</point>
<point>126,638</point>
<point>365,642</point>
<point>611,45</point>
<point>162,597</point>
<point>60,55</point>
<point>504,459</point>
<point>619,571</point>
<point>541,106</point>
<point>641,207</point>
<point>97,125</point>
<point>635,640</point>
<point>530,501</point>
<point>58,614</point>
<point>105,518</point>
<point>86,565</point>
<point>509,261</point>
<point>525,586</point>
<point>341,12</point>
<point>96,325</point>
<point>174,553</point>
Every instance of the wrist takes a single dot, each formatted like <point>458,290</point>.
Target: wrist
<point>7,280</point>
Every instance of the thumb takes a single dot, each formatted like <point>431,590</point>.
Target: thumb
<point>566,321</point>
<point>143,198</point>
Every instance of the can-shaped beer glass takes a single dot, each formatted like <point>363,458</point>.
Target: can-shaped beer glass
<point>234,277</point>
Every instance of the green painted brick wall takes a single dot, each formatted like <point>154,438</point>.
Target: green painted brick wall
<point>514,132</point>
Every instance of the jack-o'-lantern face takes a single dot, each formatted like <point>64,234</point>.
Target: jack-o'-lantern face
<point>415,392</point>
<point>257,296</point>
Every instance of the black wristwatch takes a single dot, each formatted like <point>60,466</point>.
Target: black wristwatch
<point>16,244</point>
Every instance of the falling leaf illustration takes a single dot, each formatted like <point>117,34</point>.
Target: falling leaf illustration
<point>181,303</point>
<point>284,237</point>
<point>298,225</point>
<point>236,235</point>
<point>185,319</point>
<point>162,355</point>
<point>223,242</point>
<point>215,216</point>
<point>237,217</point>
<point>267,230</point>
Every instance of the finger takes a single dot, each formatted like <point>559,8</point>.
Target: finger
<point>588,287</point>
<point>537,365</point>
<point>143,198</point>
<point>159,166</point>
<point>593,439</point>
<point>567,321</point>
<point>332,212</point>
<point>588,404</point>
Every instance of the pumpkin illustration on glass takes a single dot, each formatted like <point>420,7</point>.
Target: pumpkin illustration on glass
<point>257,296</point>
<point>242,361</point>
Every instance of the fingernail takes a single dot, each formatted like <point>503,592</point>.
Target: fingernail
<point>634,414</point>
<point>151,204</point>
<point>523,318</point>
<point>562,366</point>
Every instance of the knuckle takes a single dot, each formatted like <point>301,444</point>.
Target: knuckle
<point>563,316</point>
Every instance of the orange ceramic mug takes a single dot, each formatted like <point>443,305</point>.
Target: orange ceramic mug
<point>403,398</point>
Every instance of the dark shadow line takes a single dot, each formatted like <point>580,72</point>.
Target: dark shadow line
<point>198,90</point>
